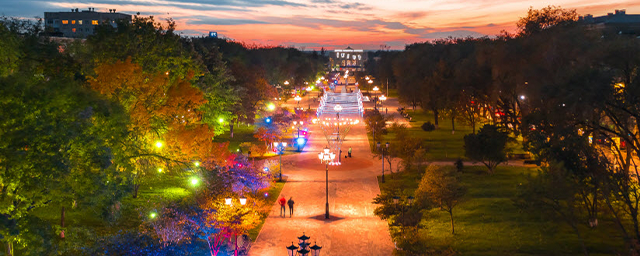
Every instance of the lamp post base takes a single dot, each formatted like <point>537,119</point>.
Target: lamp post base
<point>326,214</point>
<point>383,178</point>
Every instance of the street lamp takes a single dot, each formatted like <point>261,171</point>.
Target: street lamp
<point>228,201</point>
<point>304,247</point>
<point>298,99</point>
<point>386,148</point>
<point>297,124</point>
<point>280,146</point>
<point>396,200</point>
<point>327,157</point>
<point>375,102</point>
<point>309,95</point>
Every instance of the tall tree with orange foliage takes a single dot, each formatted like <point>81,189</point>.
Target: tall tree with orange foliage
<point>163,114</point>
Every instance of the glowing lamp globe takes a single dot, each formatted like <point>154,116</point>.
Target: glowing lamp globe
<point>243,200</point>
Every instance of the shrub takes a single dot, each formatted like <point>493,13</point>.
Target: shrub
<point>428,126</point>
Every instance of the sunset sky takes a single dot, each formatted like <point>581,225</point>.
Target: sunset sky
<point>330,24</point>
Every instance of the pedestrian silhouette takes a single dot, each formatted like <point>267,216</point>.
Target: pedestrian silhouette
<point>290,203</point>
<point>349,151</point>
<point>283,211</point>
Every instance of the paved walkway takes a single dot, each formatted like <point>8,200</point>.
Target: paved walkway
<point>352,229</point>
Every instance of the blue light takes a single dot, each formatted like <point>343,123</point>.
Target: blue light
<point>301,141</point>
<point>268,120</point>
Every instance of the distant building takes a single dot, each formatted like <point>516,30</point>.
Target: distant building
<point>80,24</point>
<point>619,23</point>
<point>347,59</point>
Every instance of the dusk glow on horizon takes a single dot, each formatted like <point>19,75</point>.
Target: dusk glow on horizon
<point>331,24</point>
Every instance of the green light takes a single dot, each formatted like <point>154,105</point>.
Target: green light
<point>271,107</point>
<point>158,144</point>
<point>312,87</point>
<point>152,215</point>
<point>221,120</point>
<point>237,150</point>
<point>194,181</point>
<point>159,169</point>
<point>197,164</point>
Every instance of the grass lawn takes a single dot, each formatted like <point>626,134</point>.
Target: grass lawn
<point>441,144</point>
<point>241,134</point>
<point>271,199</point>
<point>488,222</point>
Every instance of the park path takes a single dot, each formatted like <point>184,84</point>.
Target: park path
<point>352,228</point>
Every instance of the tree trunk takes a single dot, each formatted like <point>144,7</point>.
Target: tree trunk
<point>473,127</point>
<point>435,117</point>
<point>9,248</point>
<point>453,231</point>
<point>584,247</point>
<point>62,222</point>
<point>231,128</point>
<point>135,190</point>
<point>453,123</point>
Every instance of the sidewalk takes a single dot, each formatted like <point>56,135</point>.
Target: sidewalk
<point>352,228</point>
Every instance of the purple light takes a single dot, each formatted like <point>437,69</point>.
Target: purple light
<point>266,194</point>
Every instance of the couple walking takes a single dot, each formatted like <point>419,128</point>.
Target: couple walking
<point>283,210</point>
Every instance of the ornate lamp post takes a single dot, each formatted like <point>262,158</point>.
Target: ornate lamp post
<point>304,247</point>
<point>298,124</point>
<point>396,200</point>
<point>383,150</point>
<point>298,99</point>
<point>229,201</point>
<point>309,95</point>
<point>375,102</point>
<point>280,146</point>
<point>327,157</point>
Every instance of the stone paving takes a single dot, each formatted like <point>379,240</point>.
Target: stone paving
<point>352,228</point>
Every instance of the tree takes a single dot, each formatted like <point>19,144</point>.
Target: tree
<point>440,186</point>
<point>545,18</point>
<point>487,146</point>
<point>554,192</point>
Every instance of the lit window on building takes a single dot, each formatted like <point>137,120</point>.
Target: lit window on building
<point>73,30</point>
<point>94,22</point>
<point>80,22</point>
<point>65,22</point>
<point>73,21</point>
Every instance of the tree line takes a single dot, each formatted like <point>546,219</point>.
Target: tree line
<point>571,92</point>
<point>87,123</point>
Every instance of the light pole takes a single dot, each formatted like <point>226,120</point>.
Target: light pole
<point>327,157</point>
<point>338,108</point>
<point>396,200</point>
<point>309,96</point>
<point>229,201</point>
<point>279,146</point>
<point>304,247</point>
<point>297,125</point>
<point>383,151</point>
<point>375,102</point>
<point>298,99</point>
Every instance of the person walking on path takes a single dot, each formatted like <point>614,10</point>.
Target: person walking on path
<point>349,152</point>
<point>290,203</point>
<point>282,201</point>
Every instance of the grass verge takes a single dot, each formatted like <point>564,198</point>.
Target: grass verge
<point>488,222</point>
<point>273,193</point>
